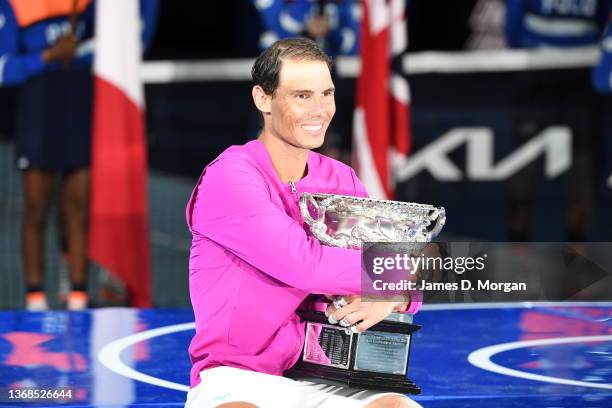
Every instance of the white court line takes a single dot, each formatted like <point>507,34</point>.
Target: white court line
<point>482,359</point>
<point>110,355</point>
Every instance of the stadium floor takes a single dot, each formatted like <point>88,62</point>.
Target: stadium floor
<point>500,355</point>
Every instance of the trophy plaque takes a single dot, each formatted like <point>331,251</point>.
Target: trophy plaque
<point>377,358</point>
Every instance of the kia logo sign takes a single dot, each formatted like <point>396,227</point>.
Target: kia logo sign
<point>554,143</point>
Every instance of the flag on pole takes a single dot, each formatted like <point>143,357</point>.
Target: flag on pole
<point>381,134</point>
<point>118,237</point>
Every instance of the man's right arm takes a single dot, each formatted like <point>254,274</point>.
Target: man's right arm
<point>233,208</point>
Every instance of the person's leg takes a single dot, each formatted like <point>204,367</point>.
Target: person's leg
<point>232,387</point>
<point>393,401</point>
<point>75,213</point>
<point>226,386</point>
<point>38,194</point>
<point>331,396</point>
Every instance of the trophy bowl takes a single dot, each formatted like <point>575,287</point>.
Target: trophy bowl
<point>352,222</point>
<point>378,357</point>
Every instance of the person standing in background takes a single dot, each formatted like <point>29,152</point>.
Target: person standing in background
<point>487,25</point>
<point>46,47</point>
<point>333,24</point>
<point>556,24</point>
<point>602,73</point>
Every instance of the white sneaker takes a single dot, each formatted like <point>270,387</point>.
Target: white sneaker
<point>77,300</point>
<point>36,302</point>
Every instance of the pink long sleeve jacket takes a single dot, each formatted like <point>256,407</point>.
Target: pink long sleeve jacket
<point>253,261</point>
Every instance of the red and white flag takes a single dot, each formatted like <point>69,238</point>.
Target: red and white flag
<point>119,237</point>
<point>381,133</point>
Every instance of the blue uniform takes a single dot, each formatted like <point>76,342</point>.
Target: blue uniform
<point>53,123</point>
<point>563,23</point>
<point>284,19</point>
<point>21,46</point>
<point>558,23</point>
<point>602,74</point>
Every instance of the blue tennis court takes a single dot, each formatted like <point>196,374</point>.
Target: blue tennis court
<point>469,355</point>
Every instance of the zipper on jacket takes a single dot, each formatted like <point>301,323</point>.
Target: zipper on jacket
<point>293,189</point>
<point>297,214</point>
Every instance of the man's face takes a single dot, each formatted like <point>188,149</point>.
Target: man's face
<point>303,104</point>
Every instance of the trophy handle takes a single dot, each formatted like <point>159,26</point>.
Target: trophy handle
<point>318,227</point>
<point>306,199</point>
<point>439,215</point>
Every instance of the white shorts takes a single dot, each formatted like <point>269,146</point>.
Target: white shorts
<point>221,385</point>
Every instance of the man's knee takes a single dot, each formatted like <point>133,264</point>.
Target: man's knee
<point>393,401</point>
<point>237,405</point>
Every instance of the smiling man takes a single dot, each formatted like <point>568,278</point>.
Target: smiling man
<point>252,262</point>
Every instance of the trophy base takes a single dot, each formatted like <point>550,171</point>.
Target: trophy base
<point>377,381</point>
<point>342,357</point>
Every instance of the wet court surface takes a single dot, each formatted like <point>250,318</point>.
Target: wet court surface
<point>489,355</point>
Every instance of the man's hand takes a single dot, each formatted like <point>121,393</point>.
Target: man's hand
<point>363,314</point>
<point>63,50</point>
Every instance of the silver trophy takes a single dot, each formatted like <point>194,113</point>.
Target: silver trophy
<point>352,222</point>
<point>377,358</point>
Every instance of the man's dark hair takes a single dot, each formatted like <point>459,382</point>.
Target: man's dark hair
<point>266,69</point>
